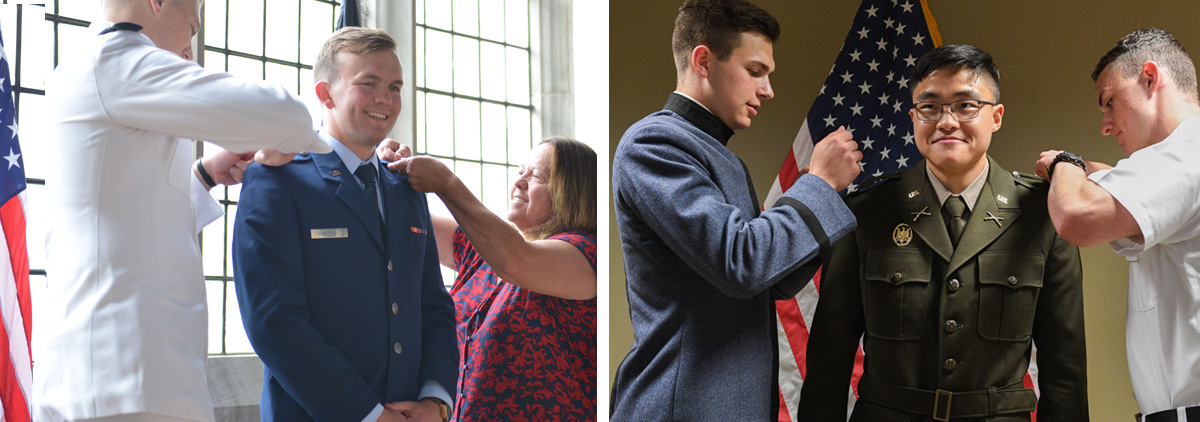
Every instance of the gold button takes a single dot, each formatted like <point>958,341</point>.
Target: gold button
<point>896,276</point>
<point>1012,279</point>
<point>950,364</point>
<point>951,326</point>
<point>396,347</point>
<point>954,285</point>
<point>389,265</point>
<point>395,308</point>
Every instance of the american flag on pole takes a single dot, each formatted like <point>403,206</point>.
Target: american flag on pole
<point>15,372</point>
<point>867,92</point>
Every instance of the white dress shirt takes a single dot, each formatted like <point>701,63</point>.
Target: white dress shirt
<point>1160,186</point>
<point>124,328</point>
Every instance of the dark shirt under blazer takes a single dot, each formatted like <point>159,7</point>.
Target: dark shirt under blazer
<point>936,317</point>
<point>343,317</point>
<point>700,262</point>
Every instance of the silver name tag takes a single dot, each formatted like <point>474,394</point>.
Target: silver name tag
<point>330,233</point>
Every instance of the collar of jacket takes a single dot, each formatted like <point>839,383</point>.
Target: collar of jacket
<point>698,116</point>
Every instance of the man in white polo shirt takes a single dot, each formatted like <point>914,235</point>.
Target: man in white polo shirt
<point>1147,209</point>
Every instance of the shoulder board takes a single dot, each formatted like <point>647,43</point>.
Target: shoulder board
<point>875,181</point>
<point>1030,181</point>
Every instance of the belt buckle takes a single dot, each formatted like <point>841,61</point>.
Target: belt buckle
<point>937,405</point>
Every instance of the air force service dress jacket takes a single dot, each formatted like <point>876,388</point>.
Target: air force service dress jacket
<point>344,316</point>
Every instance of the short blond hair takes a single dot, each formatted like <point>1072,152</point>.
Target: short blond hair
<point>355,39</point>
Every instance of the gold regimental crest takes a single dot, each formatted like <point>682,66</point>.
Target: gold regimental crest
<point>902,234</point>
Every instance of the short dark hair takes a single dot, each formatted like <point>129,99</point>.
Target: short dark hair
<point>572,185</point>
<point>1151,44</point>
<point>957,57</point>
<point>718,24</point>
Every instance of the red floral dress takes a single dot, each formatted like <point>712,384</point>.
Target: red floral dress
<point>524,356</point>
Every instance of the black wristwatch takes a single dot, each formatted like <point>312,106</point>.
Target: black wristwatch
<point>1068,157</point>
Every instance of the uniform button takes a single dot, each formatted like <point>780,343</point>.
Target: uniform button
<point>389,265</point>
<point>395,308</point>
<point>396,347</point>
<point>954,285</point>
<point>950,364</point>
<point>1012,279</point>
<point>896,276</point>
<point>951,326</point>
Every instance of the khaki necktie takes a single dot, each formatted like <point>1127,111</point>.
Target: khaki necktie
<point>955,206</point>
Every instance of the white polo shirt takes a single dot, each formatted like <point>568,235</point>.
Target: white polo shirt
<point>1160,186</point>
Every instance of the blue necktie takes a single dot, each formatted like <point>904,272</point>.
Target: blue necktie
<point>366,174</point>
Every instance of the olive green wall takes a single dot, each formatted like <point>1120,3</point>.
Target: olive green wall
<point>1045,50</point>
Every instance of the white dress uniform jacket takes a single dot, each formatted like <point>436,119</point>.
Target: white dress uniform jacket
<point>124,328</point>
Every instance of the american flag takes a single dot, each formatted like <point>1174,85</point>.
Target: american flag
<point>867,92</point>
<point>15,372</point>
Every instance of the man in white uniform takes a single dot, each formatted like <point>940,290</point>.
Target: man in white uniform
<point>1148,209</point>
<point>122,336</point>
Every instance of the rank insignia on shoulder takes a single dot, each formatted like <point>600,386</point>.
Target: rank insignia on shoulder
<point>902,234</point>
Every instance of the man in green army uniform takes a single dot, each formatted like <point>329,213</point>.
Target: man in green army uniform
<point>954,273</point>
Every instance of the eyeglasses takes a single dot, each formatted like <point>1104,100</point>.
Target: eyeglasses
<point>965,109</point>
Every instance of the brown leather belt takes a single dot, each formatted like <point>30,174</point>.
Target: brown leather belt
<point>942,405</point>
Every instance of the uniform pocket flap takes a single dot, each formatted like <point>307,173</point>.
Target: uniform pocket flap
<point>899,265</point>
<point>1012,269</point>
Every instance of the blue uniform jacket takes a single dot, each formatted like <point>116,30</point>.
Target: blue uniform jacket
<point>342,317</point>
<point>700,267</point>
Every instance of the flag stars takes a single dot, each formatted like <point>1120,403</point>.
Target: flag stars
<point>882,44</point>
<point>883,99</point>
<point>910,60</point>
<point>862,35</point>
<point>13,128</point>
<point>12,158</point>
<point>903,82</point>
<point>891,132</point>
<point>919,39</point>
<point>899,105</point>
<point>902,161</point>
<point>846,77</point>
<point>857,110</point>
<point>908,139</point>
<point>907,7</point>
<point>885,153</point>
<point>868,143</point>
<point>891,76</point>
<point>829,121</point>
<point>889,22</point>
<point>871,12</point>
<point>877,173</point>
<point>852,188</point>
<point>874,65</point>
<point>837,99</point>
<point>876,121</point>
<point>865,88</point>
<point>862,166</point>
<point>854,56</point>
<point>900,29</point>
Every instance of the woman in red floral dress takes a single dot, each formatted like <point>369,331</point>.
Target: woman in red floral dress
<point>525,297</point>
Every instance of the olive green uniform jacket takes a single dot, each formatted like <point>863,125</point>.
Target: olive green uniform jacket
<point>939,318</point>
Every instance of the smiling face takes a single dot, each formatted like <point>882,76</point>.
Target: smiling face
<point>1127,110</point>
<point>531,204</point>
<point>955,149</point>
<point>363,100</point>
<point>741,83</point>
